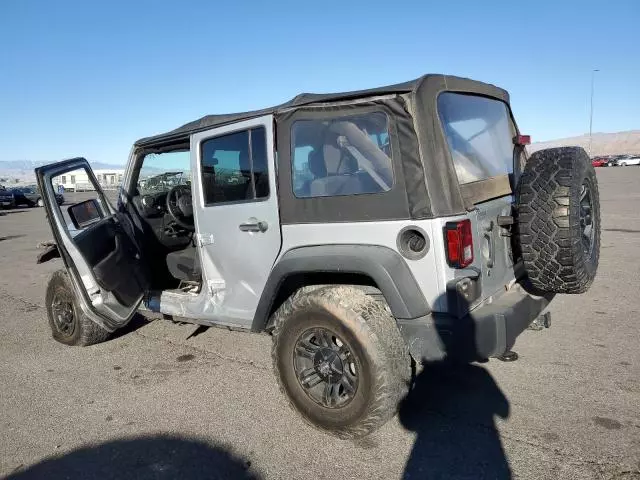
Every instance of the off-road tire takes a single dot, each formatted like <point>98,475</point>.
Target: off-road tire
<point>84,332</point>
<point>549,220</point>
<point>365,325</point>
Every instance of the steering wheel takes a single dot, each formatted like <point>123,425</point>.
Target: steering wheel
<point>179,206</point>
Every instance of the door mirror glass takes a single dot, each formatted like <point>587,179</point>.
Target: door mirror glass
<point>85,213</point>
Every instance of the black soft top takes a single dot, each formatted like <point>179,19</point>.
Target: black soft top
<point>210,121</point>
<point>425,185</point>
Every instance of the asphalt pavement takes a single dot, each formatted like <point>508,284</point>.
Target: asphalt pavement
<point>166,400</point>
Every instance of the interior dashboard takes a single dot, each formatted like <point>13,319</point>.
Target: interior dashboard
<point>152,208</point>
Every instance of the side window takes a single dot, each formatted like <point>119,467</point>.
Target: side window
<point>345,155</point>
<point>234,167</point>
<point>480,135</point>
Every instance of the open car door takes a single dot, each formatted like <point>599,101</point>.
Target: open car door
<point>97,244</point>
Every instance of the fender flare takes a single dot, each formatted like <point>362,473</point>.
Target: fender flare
<point>383,265</point>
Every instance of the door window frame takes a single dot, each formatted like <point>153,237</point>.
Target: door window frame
<point>197,139</point>
<point>255,199</point>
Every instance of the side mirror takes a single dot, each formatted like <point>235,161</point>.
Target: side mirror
<point>85,213</point>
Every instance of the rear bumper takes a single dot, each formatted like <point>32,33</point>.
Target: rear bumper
<point>489,330</point>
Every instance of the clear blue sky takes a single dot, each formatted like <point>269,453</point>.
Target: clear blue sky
<point>79,77</point>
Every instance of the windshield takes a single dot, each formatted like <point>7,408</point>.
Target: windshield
<point>163,182</point>
<point>162,171</point>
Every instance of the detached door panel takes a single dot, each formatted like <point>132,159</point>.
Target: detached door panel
<point>236,214</point>
<point>96,244</point>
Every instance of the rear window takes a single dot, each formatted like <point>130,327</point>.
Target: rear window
<point>480,135</point>
<point>347,155</point>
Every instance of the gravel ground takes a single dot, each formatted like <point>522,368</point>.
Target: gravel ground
<point>165,400</point>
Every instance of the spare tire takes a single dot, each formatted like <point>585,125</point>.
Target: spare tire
<point>558,220</point>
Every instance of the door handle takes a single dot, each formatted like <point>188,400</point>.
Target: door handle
<point>254,226</point>
<point>490,239</point>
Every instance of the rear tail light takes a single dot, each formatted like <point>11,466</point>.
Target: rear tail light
<point>522,140</point>
<point>459,240</point>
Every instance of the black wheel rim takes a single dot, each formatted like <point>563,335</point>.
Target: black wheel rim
<point>325,368</point>
<point>63,315</point>
<point>586,219</point>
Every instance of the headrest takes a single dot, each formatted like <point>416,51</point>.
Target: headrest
<point>316,164</point>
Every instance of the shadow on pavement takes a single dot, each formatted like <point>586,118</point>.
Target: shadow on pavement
<point>11,237</point>
<point>452,408</point>
<point>11,212</point>
<point>138,321</point>
<point>154,457</point>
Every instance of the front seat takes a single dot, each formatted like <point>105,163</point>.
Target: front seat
<point>317,168</point>
<point>185,264</point>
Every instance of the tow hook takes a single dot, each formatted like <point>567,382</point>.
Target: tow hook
<point>508,356</point>
<point>541,322</point>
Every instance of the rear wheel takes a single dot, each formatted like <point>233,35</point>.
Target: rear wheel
<point>340,360</point>
<point>68,324</point>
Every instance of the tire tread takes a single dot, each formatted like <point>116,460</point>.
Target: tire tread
<point>548,220</point>
<point>87,332</point>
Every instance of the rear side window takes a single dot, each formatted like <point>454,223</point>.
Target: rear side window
<point>480,135</point>
<point>344,155</point>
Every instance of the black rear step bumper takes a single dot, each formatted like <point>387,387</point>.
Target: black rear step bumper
<point>488,331</point>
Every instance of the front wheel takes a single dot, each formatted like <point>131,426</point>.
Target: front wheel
<point>340,360</point>
<point>66,320</point>
<point>40,203</point>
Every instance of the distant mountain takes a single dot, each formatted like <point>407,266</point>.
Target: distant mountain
<point>30,165</point>
<point>602,143</point>
<point>16,172</point>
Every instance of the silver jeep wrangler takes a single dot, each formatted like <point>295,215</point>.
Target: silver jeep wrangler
<point>366,231</point>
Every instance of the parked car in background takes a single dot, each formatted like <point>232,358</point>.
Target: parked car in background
<point>599,162</point>
<point>6,198</point>
<point>629,160</point>
<point>31,197</point>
